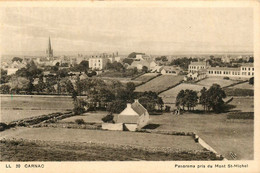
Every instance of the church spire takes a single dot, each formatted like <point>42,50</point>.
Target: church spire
<point>49,50</point>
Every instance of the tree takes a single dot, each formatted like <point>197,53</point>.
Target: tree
<point>215,95</point>
<point>188,98</point>
<point>180,99</point>
<point>3,76</point>
<point>5,89</point>
<point>203,98</point>
<point>191,98</point>
<point>17,59</point>
<point>116,106</point>
<point>145,69</point>
<point>251,81</point>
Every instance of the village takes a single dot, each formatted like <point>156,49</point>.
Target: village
<point>152,103</point>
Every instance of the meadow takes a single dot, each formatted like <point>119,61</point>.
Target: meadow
<point>222,135</point>
<point>145,77</point>
<point>159,83</point>
<point>19,107</point>
<point>218,80</point>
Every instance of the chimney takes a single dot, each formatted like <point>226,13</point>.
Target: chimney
<point>128,105</point>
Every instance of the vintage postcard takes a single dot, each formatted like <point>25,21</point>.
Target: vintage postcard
<point>126,86</point>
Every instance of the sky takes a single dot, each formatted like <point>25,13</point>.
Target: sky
<point>127,29</point>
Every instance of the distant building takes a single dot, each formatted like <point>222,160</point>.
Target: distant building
<point>170,70</point>
<point>49,50</point>
<point>245,71</point>
<point>134,116</point>
<point>98,63</point>
<point>197,66</point>
<point>16,65</point>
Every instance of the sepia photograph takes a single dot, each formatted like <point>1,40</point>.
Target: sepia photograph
<point>126,82</point>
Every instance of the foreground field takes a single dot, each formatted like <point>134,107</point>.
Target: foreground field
<point>17,150</point>
<point>160,83</point>
<point>222,135</point>
<point>18,107</point>
<point>177,143</point>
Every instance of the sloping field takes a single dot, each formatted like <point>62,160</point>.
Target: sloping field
<point>160,83</point>
<point>145,77</point>
<point>218,80</point>
<point>222,135</point>
<point>243,86</point>
<point>243,104</point>
<point>19,107</point>
<point>170,95</point>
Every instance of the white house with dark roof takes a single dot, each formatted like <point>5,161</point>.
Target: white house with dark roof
<point>134,116</point>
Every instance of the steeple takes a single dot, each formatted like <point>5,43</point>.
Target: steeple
<point>49,50</point>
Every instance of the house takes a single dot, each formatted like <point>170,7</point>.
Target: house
<point>98,62</point>
<point>170,70</point>
<point>139,64</point>
<point>157,69</point>
<point>134,116</point>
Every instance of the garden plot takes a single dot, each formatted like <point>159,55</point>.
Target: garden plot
<point>159,83</point>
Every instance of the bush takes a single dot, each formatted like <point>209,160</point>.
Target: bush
<point>227,78</point>
<point>3,126</point>
<point>80,121</point>
<point>167,108</point>
<point>108,118</point>
<point>251,81</point>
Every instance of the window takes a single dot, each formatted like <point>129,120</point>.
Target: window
<point>253,73</point>
<point>248,73</point>
<point>252,69</point>
<point>249,68</point>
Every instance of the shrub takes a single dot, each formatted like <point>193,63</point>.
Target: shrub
<point>227,78</point>
<point>167,108</point>
<point>3,126</point>
<point>108,118</point>
<point>251,81</point>
<point>80,121</point>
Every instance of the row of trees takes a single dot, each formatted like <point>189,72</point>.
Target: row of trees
<point>210,99</point>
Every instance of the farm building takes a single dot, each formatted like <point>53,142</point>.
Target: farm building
<point>170,70</point>
<point>134,116</point>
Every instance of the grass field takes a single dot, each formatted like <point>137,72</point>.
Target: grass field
<point>222,135</point>
<point>145,77</point>
<point>244,86</point>
<point>90,117</point>
<point>218,80</point>
<point>160,83</point>
<point>170,95</point>
<point>177,143</point>
<point>17,150</point>
<point>18,107</point>
<point>243,104</point>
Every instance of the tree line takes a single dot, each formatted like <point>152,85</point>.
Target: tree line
<point>211,99</point>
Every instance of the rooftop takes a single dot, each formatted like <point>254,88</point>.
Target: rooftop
<point>224,68</point>
<point>198,63</point>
